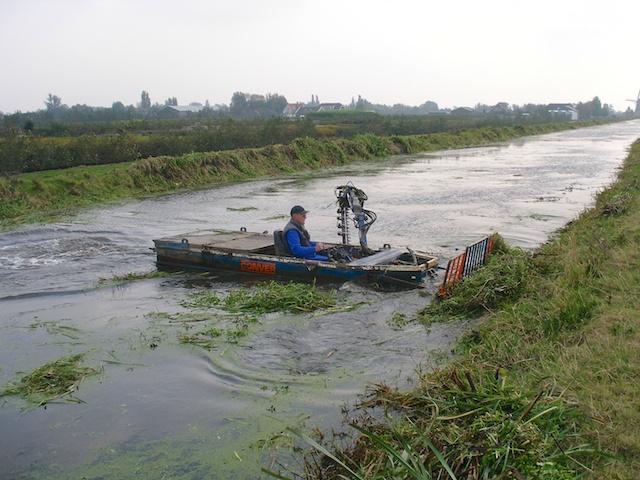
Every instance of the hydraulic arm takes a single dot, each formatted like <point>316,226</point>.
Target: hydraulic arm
<point>350,208</point>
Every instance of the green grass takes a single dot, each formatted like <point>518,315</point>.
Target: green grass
<point>500,280</point>
<point>545,386</point>
<point>472,423</point>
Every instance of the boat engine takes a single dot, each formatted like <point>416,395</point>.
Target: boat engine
<point>350,209</point>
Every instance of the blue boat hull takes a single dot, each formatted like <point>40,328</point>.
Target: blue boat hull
<point>253,253</point>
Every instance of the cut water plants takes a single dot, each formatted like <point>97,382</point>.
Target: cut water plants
<point>279,297</point>
<point>231,317</point>
<point>52,381</point>
<point>268,298</point>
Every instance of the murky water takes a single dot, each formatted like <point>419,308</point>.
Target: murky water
<point>165,409</point>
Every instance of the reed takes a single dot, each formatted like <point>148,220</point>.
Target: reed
<point>456,425</point>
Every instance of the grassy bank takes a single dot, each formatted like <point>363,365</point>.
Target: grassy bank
<point>547,387</point>
<point>43,195</point>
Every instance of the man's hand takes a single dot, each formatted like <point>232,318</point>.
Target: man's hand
<point>319,247</point>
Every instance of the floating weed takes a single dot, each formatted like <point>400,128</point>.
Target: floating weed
<point>231,326</point>
<point>241,209</point>
<point>201,300</point>
<point>54,328</point>
<point>205,339</point>
<point>209,337</point>
<point>114,360</point>
<point>269,297</point>
<point>240,331</point>
<point>276,217</point>
<point>276,388</point>
<point>130,277</point>
<point>52,381</point>
<point>398,321</point>
<point>180,317</point>
<point>235,313</point>
<point>278,297</point>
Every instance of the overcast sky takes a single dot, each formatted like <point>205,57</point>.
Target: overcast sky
<point>453,52</point>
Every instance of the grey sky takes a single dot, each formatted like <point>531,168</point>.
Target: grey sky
<point>455,53</point>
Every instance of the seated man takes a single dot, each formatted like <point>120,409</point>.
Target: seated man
<point>299,240</point>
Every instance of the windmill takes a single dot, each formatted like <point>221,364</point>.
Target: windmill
<point>637,102</point>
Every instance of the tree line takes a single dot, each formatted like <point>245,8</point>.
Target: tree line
<point>47,121</point>
<point>53,138</point>
<point>243,105</point>
<point>28,153</point>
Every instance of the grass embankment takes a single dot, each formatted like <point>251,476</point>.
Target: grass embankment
<point>547,387</point>
<point>39,196</point>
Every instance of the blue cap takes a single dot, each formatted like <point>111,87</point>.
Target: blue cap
<point>297,209</point>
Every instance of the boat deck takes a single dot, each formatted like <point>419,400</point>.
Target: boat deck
<point>231,241</point>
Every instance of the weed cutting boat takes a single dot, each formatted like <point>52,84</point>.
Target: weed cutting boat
<point>265,254</point>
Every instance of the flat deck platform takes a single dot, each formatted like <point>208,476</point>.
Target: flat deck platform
<point>231,241</point>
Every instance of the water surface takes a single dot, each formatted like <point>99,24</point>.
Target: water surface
<point>165,409</point>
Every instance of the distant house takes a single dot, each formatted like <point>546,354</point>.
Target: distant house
<point>501,108</point>
<point>323,107</point>
<point>301,110</point>
<point>462,111</point>
<point>565,109</point>
<point>178,111</point>
<point>181,111</point>
<point>291,110</point>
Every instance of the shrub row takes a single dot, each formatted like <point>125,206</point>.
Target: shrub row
<point>41,192</point>
<point>29,153</point>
